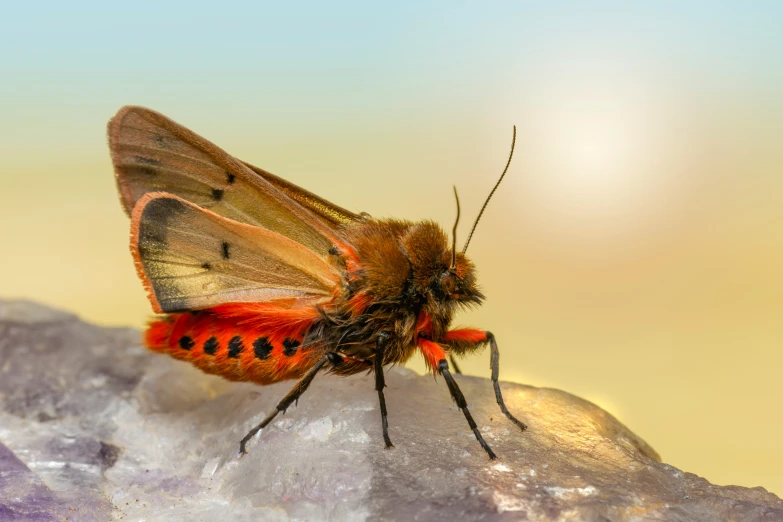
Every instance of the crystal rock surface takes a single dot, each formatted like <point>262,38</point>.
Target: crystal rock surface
<point>94,427</point>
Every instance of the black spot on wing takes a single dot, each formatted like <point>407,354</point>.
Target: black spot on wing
<point>160,211</point>
<point>230,178</point>
<point>175,305</point>
<point>144,171</point>
<point>206,266</point>
<point>290,346</point>
<point>186,343</point>
<point>154,239</point>
<point>211,346</point>
<point>235,347</point>
<point>217,194</point>
<point>262,348</point>
<point>154,223</point>
<point>143,160</point>
<point>225,250</point>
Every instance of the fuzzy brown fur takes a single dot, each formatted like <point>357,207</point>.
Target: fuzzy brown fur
<point>404,272</point>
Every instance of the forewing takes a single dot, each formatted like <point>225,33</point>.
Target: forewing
<point>330,213</point>
<point>151,153</point>
<point>191,258</point>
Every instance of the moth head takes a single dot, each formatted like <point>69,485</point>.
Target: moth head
<point>437,272</point>
<point>458,281</point>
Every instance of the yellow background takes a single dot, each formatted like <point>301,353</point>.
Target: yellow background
<point>633,255</point>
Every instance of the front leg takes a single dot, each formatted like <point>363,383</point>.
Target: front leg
<point>468,340</point>
<point>436,358</point>
<point>456,394</point>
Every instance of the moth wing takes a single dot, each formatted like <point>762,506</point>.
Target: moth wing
<point>191,258</point>
<point>152,153</point>
<point>333,215</point>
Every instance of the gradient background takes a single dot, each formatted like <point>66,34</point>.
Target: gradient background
<point>633,256</point>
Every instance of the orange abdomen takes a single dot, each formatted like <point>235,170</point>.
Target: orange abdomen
<point>226,347</point>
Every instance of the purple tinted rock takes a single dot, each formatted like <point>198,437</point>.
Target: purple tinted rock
<point>106,429</point>
<point>24,497</point>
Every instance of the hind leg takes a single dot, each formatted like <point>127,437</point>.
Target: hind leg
<point>292,397</point>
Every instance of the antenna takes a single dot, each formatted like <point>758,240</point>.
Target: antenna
<point>454,234</point>
<point>510,155</point>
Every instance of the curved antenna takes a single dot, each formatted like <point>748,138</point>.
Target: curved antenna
<point>454,234</point>
<point>510,155</point>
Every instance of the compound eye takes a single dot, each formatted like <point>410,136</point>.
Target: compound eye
<point>448,282</point>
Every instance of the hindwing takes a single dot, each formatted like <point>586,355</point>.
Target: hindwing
<point>191,258</point>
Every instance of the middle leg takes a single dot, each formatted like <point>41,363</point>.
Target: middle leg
<point>380,383</point>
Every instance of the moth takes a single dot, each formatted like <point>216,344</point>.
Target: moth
<point>256,279</point>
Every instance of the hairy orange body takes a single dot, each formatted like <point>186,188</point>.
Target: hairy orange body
<point>216,342</point>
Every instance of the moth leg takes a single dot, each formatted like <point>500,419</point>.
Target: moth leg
<point>456,394</point>
<point>494,363</point>
<point>292,396</point>
<point>454,364</point>
<point>380,383</point>
<point>468,340</point>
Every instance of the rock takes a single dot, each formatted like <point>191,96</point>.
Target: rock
<point>94,427</point>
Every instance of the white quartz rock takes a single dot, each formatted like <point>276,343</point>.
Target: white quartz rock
<point>94,427</point>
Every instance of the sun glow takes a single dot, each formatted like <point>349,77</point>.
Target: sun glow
<point>596,156</point>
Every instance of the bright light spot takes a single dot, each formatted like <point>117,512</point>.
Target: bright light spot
<point>594,145</point>
<point>597,162</point>
<point>591,156</point>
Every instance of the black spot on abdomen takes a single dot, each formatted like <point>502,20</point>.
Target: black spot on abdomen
<point>211,346</point>
<point>289,347</point>
<point>262,348</point>
<point>235,347</point>
<point>186,343</point>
